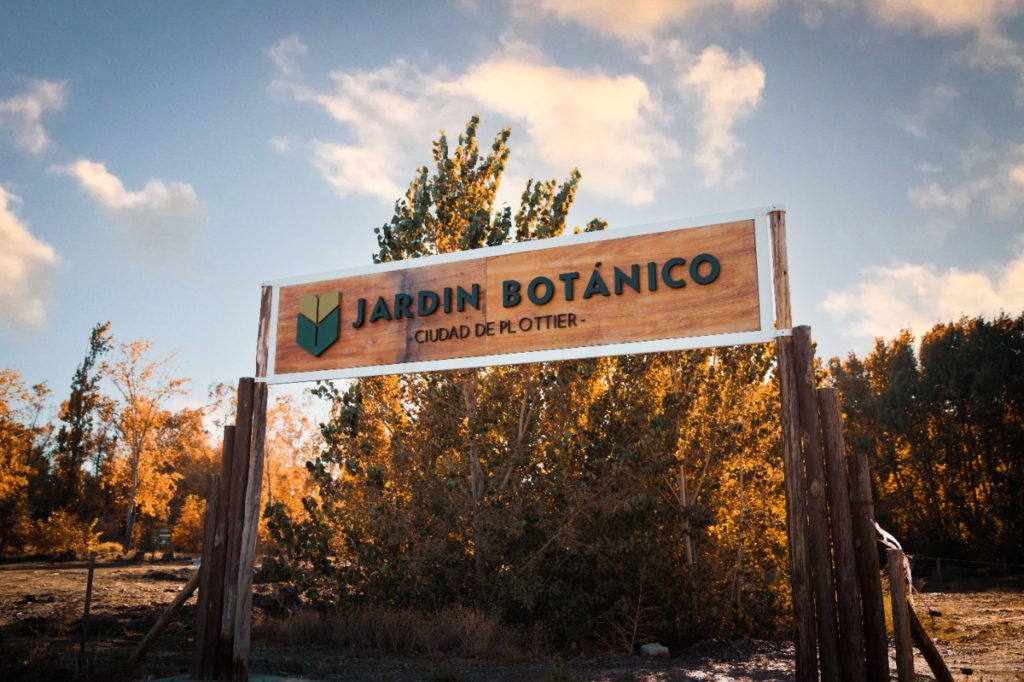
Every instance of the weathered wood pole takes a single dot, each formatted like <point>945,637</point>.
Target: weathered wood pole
<point>205,577</point>
<point>792,463</point>
<point>263,331</point>
<point>233,545</point>
<point>251,509</point>
<point>928,649</point>
<point>796,517</point>
<point>876,646</point>
<point>823,586</point>
<point>851,627</point>
<point>900,616</point>
<point>250,525</point>
<point>780,270</point>
<point>218,560</point>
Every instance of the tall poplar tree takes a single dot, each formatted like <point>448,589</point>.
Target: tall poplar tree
<point>452,209</point>
<point>83,434</point>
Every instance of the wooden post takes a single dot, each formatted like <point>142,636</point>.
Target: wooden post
<point>250,525</point>
<point>206,578</point>
<point>219,558</point>
<point>796,517</point>
<point>163,622</point>
<point>865,547</point>
<point>85,617</point>
<point>851,628</point>
<point>263,331</point>
<point>780,267</point>
<point>927,648</point>
<point>233,544</point>
<point>900,616</point>
<point>820,554</point>
<point>251,511</point>
<point>792,462</point>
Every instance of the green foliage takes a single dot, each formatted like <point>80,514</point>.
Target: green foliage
<point>453,208</point>
<point>943,428</point>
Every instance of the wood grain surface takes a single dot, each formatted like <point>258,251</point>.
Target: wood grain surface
<point>728,304</point>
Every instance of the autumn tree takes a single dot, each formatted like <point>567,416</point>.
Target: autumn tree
<point>942,425</point>
<point>19,434</point>
<point>144,386</point>
<point>292,440</point>
<point>453,210</point>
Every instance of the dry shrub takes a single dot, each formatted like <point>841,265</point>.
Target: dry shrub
<point>64,534</point>
<point>108,550</point>
<point>455,631</point>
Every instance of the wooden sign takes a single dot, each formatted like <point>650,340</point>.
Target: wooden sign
<point>620,291</point>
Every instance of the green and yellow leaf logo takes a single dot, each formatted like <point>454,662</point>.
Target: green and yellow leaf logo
<point>319,322</point>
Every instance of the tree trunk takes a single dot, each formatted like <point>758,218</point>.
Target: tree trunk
<point>270,489</point>
<point>685,504</point>
<point>477,486</point>
<point>738,575</point>
<point>129,524</point>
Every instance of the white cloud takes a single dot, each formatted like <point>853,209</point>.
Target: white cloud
<point>989,49</point>
<point>160,213</point>
<point>813,12</point>
<point>157,196</point>
<point>608,126</point>
<point>729,89</point>
<point>22,114</point>
<point>26,265</point>
<point>386,112</point>
<point>931,102</point>
<point>934,197</point>
<point>993,178</point>
<point>285,55</point>
<point>283,144</point>
<point>916,296</point>
<point>383,110</point>
<point>640,21</point>
<point>359,169</point>
<point>945,16</point>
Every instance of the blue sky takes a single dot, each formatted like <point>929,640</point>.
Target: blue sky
<point>159,161</point>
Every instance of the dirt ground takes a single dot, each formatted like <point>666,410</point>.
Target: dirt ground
<point>979,632</point>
